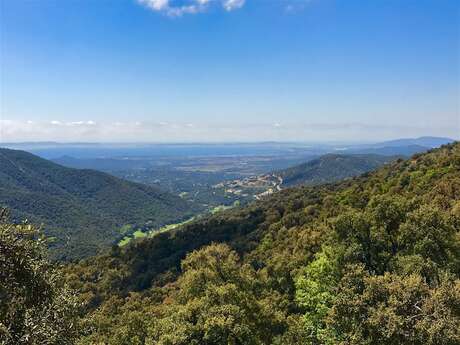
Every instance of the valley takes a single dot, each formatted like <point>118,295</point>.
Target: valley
<point>300,258</point>
<point>210,175</point>
<point>229,172</point>
<point>293,256</point>
<point>82,210</point>
<point>144,190</point>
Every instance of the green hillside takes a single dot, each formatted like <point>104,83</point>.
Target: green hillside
<point>370,260</point>
<point>330,168</point>
<point>82,210</point>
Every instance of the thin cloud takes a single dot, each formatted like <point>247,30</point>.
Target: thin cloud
<point>178,8</point>
<point>295,6</point>
<point>174,8</point>
<point>231,5</point>
<point>135,131</point>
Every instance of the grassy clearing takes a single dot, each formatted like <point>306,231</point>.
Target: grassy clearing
<point>141,234</point>
<point>219,208</point>
<point>170,227</point>
<point>124,241</point>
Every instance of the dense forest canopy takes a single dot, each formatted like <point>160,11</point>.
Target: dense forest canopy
<point>36,306</point>
<point>331,167</point>
<point>370,260</point>
<point>229,172</point>
<point>82,210</point>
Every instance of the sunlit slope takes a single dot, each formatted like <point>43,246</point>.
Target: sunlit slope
<point>82,209</point>
<point>330,168</point>
<point>323,264</point>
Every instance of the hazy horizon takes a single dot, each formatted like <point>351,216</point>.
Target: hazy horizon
<point>228,70</point>
<point>262,142</point>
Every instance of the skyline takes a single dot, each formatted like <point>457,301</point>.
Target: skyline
<point>228,70</point>
<point>141,133</point>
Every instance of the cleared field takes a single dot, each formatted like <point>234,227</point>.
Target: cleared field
<point>141,234</point>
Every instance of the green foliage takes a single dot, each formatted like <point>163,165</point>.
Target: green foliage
<point>430,233</point>
<point>394,309</point>
<point>372,260</point>
<point>315,292</point>
<point>121,321</point>
<point>82,209</point>
<point>153,232</point>
<point>332,167</point>
<point>35,307</point>
<point>218,302</point>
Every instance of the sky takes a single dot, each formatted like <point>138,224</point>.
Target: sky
<point>228,70</point>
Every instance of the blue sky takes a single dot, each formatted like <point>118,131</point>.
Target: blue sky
<point>228,70</point>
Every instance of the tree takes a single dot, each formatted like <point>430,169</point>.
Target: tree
<point>432,235</point>
<point>392,309</point>
<point>218,302</point>
<point>315,293</point>
<point>35,307</point>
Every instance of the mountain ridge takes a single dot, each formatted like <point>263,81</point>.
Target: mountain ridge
<point>332,167</point>
<point>426,141</point>
<point>379,241</point>
<point>83,209</point>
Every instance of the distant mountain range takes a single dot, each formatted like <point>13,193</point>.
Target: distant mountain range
<point>430,142</point>
<point>405,147</point>
<point>82,209</point>
<point>399,147</point>
<point>330,168</point>
<point>51,150</point>
<point>356,160</point>
<point>406,150</point>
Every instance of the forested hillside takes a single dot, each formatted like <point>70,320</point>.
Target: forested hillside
<point>371,260</point>
<point>81,210</point>
<point>330,168</point>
